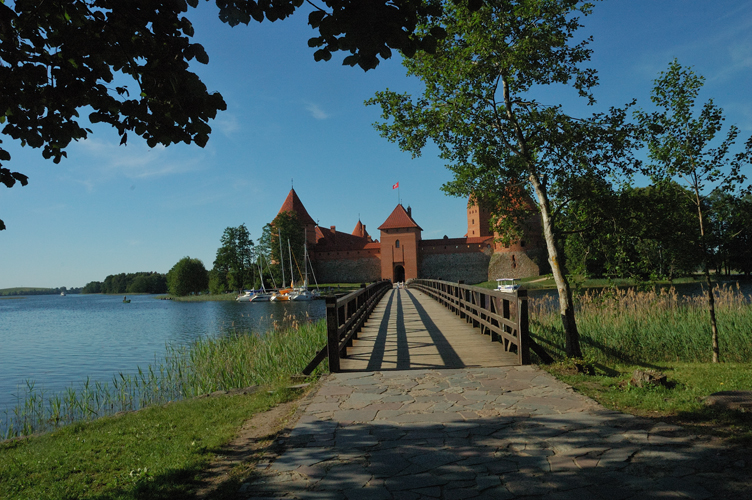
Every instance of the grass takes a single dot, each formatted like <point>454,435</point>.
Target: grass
<point>626,326</point>
<point>682,403</point>
<point>207,365</point>
<point>625,330</point>
<point>155,453</point>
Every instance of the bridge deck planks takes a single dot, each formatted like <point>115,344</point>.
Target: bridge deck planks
<point>409,330</point>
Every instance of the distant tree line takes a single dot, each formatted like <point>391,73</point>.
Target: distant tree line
<point>652,232</point>
<point>39,291</point>
<point>144,282</point>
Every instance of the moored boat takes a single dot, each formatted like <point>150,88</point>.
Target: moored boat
<point>507,284</point>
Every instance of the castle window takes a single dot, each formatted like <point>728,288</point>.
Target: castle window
<point>522,243</point>
<point>396,244</point>
<point>473,221</point>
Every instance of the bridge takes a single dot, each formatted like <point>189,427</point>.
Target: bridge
<point>429,324</point>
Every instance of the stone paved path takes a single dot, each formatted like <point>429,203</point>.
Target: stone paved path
<point>487,433</point>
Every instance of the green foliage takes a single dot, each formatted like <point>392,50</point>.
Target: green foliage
<point>144,282</point>
<point>645,233</point>
<point>187,276</point>
<point>730,220</point>
<point>234,266</point>
<point>83,45</point>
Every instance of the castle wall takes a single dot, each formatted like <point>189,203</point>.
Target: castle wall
<point>358,270</point>
<point>519,264</point>
<point>470,267</point>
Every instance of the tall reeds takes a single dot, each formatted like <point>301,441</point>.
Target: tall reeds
<point>235,360</point>
<point>624,325</point>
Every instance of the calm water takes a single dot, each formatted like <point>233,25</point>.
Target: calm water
<point>59,341</point>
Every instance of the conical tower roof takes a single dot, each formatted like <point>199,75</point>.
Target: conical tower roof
<point>399,219</point>
<point>360,230</point>
<point>293,204</point>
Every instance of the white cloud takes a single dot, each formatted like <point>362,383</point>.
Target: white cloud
<point>99,161</point>
<point>316,111</point>
<point>227,123</point>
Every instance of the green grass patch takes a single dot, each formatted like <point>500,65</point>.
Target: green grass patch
<point>680,403</point>
<point>155,453</point>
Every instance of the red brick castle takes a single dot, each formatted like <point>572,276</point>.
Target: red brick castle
<point>402,254</point>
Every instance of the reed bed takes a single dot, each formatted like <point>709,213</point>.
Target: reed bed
<point>235,360</point>
<point>625,325</point>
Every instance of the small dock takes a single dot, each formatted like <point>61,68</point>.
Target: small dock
<point>409,330</point>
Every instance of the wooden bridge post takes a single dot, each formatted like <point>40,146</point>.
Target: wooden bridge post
<point>332,333</point>
<point>523,328</point>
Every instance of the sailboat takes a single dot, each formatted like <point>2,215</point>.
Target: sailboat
<point>262,295</point>
<point>284,294</point>
<point>303,293</point>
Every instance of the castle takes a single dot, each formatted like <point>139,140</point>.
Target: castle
<point>401,254</point>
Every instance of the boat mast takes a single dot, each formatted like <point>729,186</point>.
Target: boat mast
<point>281,260</point>
<point>305,258</point>
<point>289,251</point>
<point>261,274</point>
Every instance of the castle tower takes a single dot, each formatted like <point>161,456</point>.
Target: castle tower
<point>478,220</point>
<point>400,236</point>
<point>293,204</point>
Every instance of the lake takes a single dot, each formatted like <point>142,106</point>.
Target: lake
<point>58,341</point>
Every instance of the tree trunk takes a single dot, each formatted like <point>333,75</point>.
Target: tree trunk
<point>566,304</point>
<point>708,281</point>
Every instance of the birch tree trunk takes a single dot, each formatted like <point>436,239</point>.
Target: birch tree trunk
<point>566,304</point>
<point>708,281</point>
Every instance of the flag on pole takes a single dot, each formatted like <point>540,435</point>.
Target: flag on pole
<point>395,186</point>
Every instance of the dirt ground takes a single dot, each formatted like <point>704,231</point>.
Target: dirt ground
<point>257,442</point>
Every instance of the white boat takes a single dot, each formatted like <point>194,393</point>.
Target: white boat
<point>304,295</point>
<point>246,297</point>
<point>261,297</point>
<point>507,284</point>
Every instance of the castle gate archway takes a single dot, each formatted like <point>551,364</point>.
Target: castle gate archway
<point>399,274</point>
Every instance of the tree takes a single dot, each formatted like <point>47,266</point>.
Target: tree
<point>187,276</point>
<point>234,263</point>
<point>478,107</point>
<point>683,146</point>
<point>642,233</point>
<point>126,63</point>
<point>730,218</point>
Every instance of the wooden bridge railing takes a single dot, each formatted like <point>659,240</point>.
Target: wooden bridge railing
<point>345,317</point>
<point>502,315</point>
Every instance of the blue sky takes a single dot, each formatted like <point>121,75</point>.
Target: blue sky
<point>109,209</point>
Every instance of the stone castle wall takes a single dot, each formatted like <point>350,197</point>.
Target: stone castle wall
<point>362,270</point>
<point>468,267</point>
<point>517,264</point>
